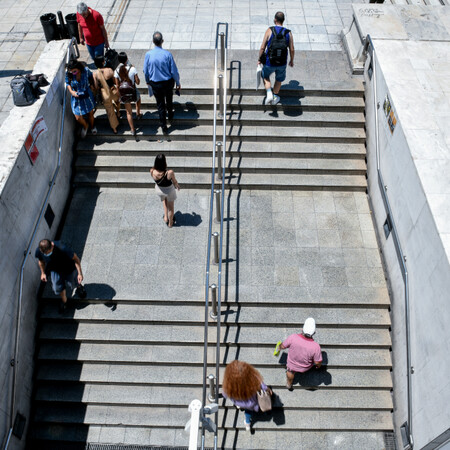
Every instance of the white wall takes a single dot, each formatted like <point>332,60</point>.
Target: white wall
<point>427,262</point>
<point>23,188</point>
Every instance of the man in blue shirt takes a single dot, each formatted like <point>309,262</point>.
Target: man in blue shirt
<point>277,40</point>
<point>161,74</point>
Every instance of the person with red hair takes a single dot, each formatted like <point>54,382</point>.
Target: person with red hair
<point>241,382</point>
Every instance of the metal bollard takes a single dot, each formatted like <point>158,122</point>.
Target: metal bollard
<point>220,115</point>
<point>222,51</point>
<point>216,247</point>
<point>219,159</point>
<point>213,313</point>
<point>212,387</point>
<point>218,208</point>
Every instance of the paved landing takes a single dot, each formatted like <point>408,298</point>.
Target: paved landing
<point>186,24</point>
<point>282,246</point>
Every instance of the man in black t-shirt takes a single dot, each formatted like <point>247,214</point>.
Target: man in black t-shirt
<point>63,265</point>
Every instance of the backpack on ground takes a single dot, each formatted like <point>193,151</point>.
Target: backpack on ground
<point>22,91</point>
<point>278,48</point>
<point>127,91</point>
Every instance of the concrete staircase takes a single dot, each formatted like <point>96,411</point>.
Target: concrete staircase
<point>318,145</point>
<point>125,374</point>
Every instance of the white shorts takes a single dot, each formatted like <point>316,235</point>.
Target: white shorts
<point>168,192</point>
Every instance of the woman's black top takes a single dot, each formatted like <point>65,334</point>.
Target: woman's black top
<point>164,181</point>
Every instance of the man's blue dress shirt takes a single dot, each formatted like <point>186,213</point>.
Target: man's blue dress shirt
<point>159,65</point>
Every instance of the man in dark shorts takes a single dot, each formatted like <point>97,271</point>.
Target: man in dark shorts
<point>64,267</point>
<point>275,66</point>
<point>304,352</point>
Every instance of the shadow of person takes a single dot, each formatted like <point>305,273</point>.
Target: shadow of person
<point>187,219</point>
<point>98,291</point>
<point>185,117</point>
<point>276,414</point>
<point>314,377</point>
<point>290,101</point>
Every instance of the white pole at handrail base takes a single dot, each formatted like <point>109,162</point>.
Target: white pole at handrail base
<point>194,408</point>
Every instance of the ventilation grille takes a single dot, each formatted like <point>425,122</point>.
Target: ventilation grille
<point>389,441</point>
<point>133,447</point>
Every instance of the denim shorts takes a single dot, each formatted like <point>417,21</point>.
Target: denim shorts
<point>280,72</point>
<point>96,50</point>
<point>59,283</point>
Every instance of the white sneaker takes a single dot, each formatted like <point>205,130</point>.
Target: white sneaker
<point>247,426</point>
<point>269,98</point>
<point>83,132</point>
<point>94,131</point>
<point>276,99</point>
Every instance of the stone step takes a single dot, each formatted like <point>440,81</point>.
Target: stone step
<point>233,164</point>
<point>236,336</point>
<point>245,181</point>
<point>191,131</point>
<point>74,437</point>
<point>174,417</point>
<point>108,351</point>
<point>260,150</point>
<point>255,316</point>
<point>239,101</point>
<point>127,394</point>
<point>353,89</point>
<point>246,118</point>
<point>375,297</point>
<point>152,374</point>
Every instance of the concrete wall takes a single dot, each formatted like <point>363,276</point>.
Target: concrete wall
<point>23,188</point>
<point>428,267</point>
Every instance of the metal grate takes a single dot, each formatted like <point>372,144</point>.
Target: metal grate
<point>389,441</point>
<point>133,447</point>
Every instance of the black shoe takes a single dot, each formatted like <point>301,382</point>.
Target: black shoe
<point>62,307</point>
<point>165,130</point>
<point>81,291</point>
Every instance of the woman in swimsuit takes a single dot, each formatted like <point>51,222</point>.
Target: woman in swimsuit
<point>165,185</point>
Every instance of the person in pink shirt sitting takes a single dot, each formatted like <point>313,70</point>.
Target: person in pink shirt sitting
<point>304,352</point>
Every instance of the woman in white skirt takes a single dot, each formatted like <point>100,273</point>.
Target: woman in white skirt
<point>165,185</point>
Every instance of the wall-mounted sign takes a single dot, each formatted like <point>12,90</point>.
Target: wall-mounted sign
<point>389,113</point>
<point>37,129</point>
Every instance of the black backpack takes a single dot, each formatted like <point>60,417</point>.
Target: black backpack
<point>22,91</point>
<point>278,48</point>
<point>111,59</point>
<point>127,91</point>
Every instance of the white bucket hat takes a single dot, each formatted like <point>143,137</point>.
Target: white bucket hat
<point>309,327</point>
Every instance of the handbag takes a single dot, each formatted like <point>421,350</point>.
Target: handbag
<point>264,400</point>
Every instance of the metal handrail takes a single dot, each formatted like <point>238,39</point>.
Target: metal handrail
<point>14,361</point>
<point>223,37</point>
<point>369,47</point>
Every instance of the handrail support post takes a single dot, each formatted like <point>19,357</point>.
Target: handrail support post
<point>216,247</point>
<point>218,205</point>
<point>213,313</point>
<point>219,146</point>
<point>212,387</point>
<point>220,113</point>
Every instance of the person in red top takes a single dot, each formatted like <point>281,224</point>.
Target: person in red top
<point>92,30</point>
<point>304,352</point>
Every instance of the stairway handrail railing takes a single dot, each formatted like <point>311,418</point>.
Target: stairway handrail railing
<point>222,39</point>
<point>72,49</point>
<point>370,48</point>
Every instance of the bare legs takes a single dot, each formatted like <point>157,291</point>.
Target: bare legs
<point>276,86</point>
<point>82,121</point>
<point>169,208</point>
<point>289,379</point>
<point>129,110</point>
